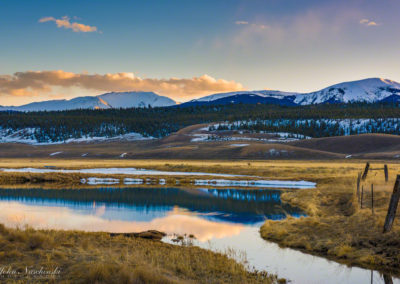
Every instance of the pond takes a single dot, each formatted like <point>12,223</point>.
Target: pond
<point>218,218</point>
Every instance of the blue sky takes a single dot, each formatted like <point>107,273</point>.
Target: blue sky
<point>185,49</point>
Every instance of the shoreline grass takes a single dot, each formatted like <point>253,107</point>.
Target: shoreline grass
<point>337,228</point>
<point>82,257</point>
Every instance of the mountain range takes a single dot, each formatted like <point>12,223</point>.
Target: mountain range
<point>370,90</point>
<point>104,101</point>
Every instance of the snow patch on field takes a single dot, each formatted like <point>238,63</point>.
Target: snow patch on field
<point>257,183</point>
<point>239,145</point>
<point>123,155</point>
<point>95,180</point>
<point>55,153</point>
<point>133,181</point>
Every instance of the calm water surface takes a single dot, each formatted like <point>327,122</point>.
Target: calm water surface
<point>219,218</point>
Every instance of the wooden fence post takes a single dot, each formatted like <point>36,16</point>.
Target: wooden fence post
<point>358,186</point>
<point>362,194</point>
<point>394,200</point>
<point>364,176</point>
<point>372,198</point>
<point>388,279</point>
<point>385,168</point>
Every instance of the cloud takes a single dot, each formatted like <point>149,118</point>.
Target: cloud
<point>368,23</point>
<point>241,23</point>
<point>36,83</point>
<point>65,22</point>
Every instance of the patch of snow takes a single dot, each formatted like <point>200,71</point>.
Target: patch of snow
<point>123,155</point>
<point>347,157</point>
<point>84,155</point>
<point>239,145</point>
<point>133,181</point>
<point>257,183</point>
<point>55,153</point>
<point>94,181</point>
<point>200,137</point>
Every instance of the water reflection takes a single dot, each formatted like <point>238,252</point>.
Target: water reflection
<point>146,204</point>
<point>218,217</point>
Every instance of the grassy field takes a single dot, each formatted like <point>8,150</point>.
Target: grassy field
<point>78,257</point>
<point>337,227</point>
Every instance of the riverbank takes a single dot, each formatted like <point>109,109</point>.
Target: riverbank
<point>336,226</point>
<point>80,257</point>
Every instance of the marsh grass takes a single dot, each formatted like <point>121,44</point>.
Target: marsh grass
<point>99,258</point>
<point>336,226</point>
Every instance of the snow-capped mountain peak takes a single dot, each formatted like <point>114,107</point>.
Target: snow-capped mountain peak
<point>367,90</point>
<point>108,100</point>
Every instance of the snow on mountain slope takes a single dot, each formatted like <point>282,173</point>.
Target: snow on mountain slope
<point>367,90</point>
<point>136,99</point>
<point>54,105</point>
<point>108,100</point>
<point>263,93</point>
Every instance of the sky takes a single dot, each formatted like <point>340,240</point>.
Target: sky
<point>186,49</point>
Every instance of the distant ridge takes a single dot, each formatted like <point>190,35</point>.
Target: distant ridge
<point>372,90</point>
<point>104,101</point>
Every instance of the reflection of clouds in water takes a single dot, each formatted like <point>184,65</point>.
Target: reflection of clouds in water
<point>100,210</point>
<point>45,217</point>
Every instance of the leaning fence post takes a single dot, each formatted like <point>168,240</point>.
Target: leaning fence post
<point>358,186</point>
<point>388,279</point>
<point>394,200</point>
<point>385,168</point>
<point>372,198</point>
<point>362,194</point>
<point>364,176</point>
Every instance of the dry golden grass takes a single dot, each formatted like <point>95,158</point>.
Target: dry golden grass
<point>99,258</point>
<point>337,227</point>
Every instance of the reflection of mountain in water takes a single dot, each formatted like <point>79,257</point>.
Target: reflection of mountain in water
<point>231,205</point>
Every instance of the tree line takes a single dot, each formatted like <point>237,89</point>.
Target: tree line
<point>161,121</point>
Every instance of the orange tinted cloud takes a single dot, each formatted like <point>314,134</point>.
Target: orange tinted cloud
<point>30,83</point>
<point>65,22</point>
<point>368,23</point>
